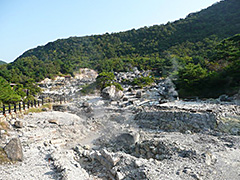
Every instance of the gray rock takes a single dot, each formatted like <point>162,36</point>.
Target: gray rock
<point>88,109</point>
<point>14,150</point>
<point>187,170</point>
<point>18,124</point>
<point>119,176</point>
<point>59,107</point>
<point>208,158</point>
<point>139,94</point>
<point>235,131</point>
<point>2,131</point>
<point>45,109</point>
<point>127,138</point>
<point>138,163</point>
<point>150,155</point>
<point>85,104</point>
<point>112,93</point>
<point>224,97</point>
<point>136,71</point>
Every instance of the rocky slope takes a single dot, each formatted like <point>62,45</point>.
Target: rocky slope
<point>134,137</point>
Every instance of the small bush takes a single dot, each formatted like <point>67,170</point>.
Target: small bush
<point>106,79</point>
<point>38,109</point>
<point>118,86</point>
<point>142,81</point>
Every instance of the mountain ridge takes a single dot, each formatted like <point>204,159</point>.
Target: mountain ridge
<point>180,29</point>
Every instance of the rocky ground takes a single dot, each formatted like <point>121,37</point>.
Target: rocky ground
<point>131,138</point>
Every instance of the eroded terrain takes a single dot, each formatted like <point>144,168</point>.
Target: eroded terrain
<point>133,138</point>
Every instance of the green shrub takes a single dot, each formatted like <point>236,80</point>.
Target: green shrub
<point>7,94</point>
<point>106,79</point>
<point>118,86</point>
<point>142,81</point>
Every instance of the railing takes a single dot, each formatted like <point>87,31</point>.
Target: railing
<point>22,106</point>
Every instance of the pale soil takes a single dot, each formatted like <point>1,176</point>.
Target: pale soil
<point>48,148</point>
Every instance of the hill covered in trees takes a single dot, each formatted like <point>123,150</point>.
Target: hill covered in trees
<point>218,71</point>
<point>178,49</point>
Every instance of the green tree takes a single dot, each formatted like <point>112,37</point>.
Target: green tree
<point>191,79</point>
<point>7,94</point>
<point>105,79</point>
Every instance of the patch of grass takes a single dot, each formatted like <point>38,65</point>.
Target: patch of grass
<point>3,157</point>
<point>38,109</point>
<point>33,110</point>
<point>48,105</point>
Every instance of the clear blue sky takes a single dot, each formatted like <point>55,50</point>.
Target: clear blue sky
<point>26,24</point>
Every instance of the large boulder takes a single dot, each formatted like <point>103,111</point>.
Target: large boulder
<point>112,93</point>
<point>139,94</point>
<point>14,150</point>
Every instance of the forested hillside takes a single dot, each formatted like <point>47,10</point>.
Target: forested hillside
<point>196,42</point>
<point>217,72</point>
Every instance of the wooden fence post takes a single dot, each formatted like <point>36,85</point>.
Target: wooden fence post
<point>15,108</point>
<point>19,106</point>
<point>4,110</point>
<point>9,108</point>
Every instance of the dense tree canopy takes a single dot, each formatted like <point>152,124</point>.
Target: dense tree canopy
<point>204,42</point>
<point>218,73</point>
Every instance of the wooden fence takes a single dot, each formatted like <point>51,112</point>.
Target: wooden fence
<point>22,106</point>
